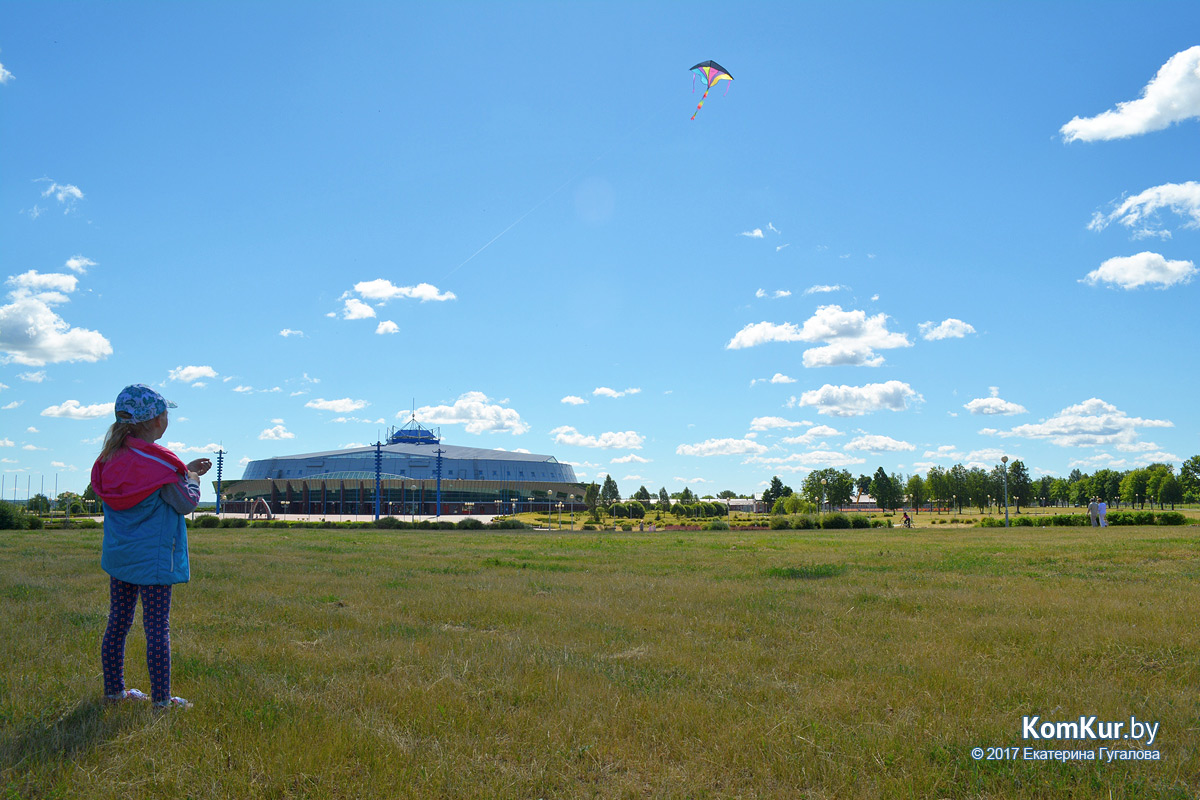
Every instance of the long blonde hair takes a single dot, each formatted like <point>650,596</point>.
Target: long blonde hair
<point>121,430</point>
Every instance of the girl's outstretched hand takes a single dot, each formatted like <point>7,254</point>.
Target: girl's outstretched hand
<point>199,466</point>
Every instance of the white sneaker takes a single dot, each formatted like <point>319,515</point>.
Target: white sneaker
<point>174,702</point>
<point>127,695</point>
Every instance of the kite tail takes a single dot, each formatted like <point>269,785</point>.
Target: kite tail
<point>700,105</point>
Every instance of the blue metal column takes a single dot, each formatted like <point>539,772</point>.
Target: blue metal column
<point>378,469</point>
<point>220,462</point>
<point>439,452</point>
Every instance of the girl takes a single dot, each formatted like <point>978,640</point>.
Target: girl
<point>146,491</point>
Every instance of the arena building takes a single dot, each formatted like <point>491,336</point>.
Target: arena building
<point>416,474</point>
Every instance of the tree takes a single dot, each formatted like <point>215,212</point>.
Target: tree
<point>38,504</point>
<point>775,491</point>
<point>591,496</point>
<point>664,500</point>
<point>1060,491</point>
<point>936,485</point>
<point>863,485</point>
<point>1189,479</point>
<point>916,492</point>
<point>642,495</point>
<point>884,491</point>
<point>1044,488</point>
<point>958,485</point>
<point>1170,491</point>
<point>978,487</point>
<point>726,494</point>
<point>609,493</point>
<point>1133,486</point>
<point>1019,483</point>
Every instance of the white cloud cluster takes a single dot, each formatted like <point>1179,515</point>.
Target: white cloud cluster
<point>1143,269</point>
<point>1087,424</point>
<point>276,433</point>
<point>343,406</point>
<point>191,374</point>
<point>65,193</point>
<point>476,413</point>
<point>812,435</point>
<point>5,75</point>
<point>286,332</point>
<point>756,233</point>
<point>1173,95</point>
<point>767,423</point>
<point>33,334</point>
<point>1140,213</point>
<point>73,409</point>
<point>387,326</point>
<point>851,337</point>
<point>609,440</point>
<point>852,401</point>
<point>776,295</point>
<point>876,443</point>
<point>79,264</point>
<point>604,391</point>
<point>632,458</point>
<point>381,290</point>
<point>721,447</point>
<point>946,329</point>
<point>823,289</point>
<point>993,405</point>
<point>573,400</point>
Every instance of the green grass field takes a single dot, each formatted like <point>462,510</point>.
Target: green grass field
<point>426,664</point>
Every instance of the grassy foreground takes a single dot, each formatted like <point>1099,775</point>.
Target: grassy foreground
<point>424,664</point>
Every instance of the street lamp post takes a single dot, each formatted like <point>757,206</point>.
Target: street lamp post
<point>1004,462</point>
<point>823,482</point>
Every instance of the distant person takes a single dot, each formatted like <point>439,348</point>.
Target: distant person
<point>1102,511</point>
<point>146,491</point>
<point>1094,512</point>
<point>907,520</point>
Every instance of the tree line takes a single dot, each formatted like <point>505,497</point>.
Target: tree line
<point>959,487</point>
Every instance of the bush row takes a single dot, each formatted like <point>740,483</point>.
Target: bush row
<point>807,522</point>
<point>1081,520</point>
<point>390,523</point>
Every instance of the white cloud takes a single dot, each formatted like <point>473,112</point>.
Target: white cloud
<point>1130,272</point>
<point>875,443</point>
<point>381,291</point>
<point>476,412</point>
<point>79,264</point>
<point>609,440</point>
<point>357,309</point>
<point>286,332</point>
<point>678,479</point>
<point>776,295</point>
<point>1091,423</point>
<point>573,400</point>
<point>211,447</point>
<point>631,458</point>
<point>1140,212</point>
<point>753,234</point>
<point>812,435</point>
<point>604,391</point>
<point>1173,95</point>
<point>11,406</point>
<point>5,75</point>
<point>32,334</point>
<point>191,374</point>
<point>243,389</point>
<point>7,443</point>
<point>380,421</point>
<point>823,289</point>
<point>851,401</point>
<point>946,329</point>
<point>32,377</point>
<point>65,193</point>
<point>851,337</point>
<point>73,409</point>
<point>387,326</point>
<point>779,377</point>
<point>277,433</point>
<point>721,447</point>
<point>767,423</point>
<point>994,405</point>
<point>342,406</point>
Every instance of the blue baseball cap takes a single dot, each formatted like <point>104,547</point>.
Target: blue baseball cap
<point>140,403</point>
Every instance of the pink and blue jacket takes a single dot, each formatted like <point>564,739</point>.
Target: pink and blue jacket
<point>146,491</point>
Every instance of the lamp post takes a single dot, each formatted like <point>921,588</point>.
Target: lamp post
<point>953,503</point>
<point>560,515</point>
<point>1004,462</point>
<point>823,482</point>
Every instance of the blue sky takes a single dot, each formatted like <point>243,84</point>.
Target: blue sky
<point>908,234</point>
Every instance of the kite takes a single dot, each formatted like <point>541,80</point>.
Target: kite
<point>713,73</point>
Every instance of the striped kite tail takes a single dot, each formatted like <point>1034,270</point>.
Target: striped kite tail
<point>701,103</point>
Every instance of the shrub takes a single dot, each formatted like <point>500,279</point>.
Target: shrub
<point>387,522</point>
<point>86,524</point>
<point>805,522</point>
<point>35,523</point>
<point>1171,518</point>
<point>587,526</point>
<point>507,525</point>
<point>1067,519</point>
<point>780,523</point>
<point>1022,522</point>
<point>233,522</point>
<point>626,527</point>
<point>990,522</point>
<point>835,520</point>
<point>207,521</point>
<point>859,521</point>
<point>260,523</point>
<point>1143,518</point>
<point>470,524</point>
<point>716,525</point>
<point>280,525</point>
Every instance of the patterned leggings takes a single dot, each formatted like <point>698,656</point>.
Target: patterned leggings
<point>156,619</point>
